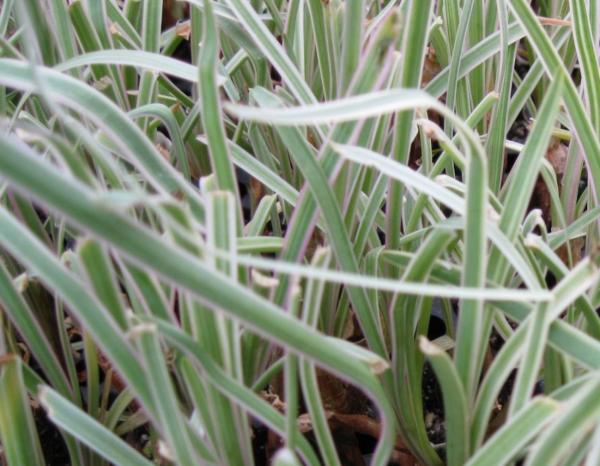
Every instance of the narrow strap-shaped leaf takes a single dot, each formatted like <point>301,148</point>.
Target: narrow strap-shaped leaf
<point>578,416</point>
<point>455,403</point>
<point>138,58</point>
<point>323,46</point>
<point>354,16</point>
<point>172,426</point>
<point>20,440</point>
<point>498,123</point>
<point>414,48</point>
<point>152,11</point>
<point>584,43</point>
<point>457,91</point>
<point>211,112</point>
<point>88,430</point>
<point>96,264</point>
<point>221,236</point>
<point>505,444</point>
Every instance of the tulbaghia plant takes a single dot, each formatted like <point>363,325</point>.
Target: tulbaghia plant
<point>299,232</point>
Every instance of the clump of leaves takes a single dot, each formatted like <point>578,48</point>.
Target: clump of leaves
<point>299,232</point>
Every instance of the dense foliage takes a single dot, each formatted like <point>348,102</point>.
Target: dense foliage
<point>331,232</point>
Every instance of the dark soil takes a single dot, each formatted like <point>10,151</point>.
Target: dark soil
<point>53,445</point>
